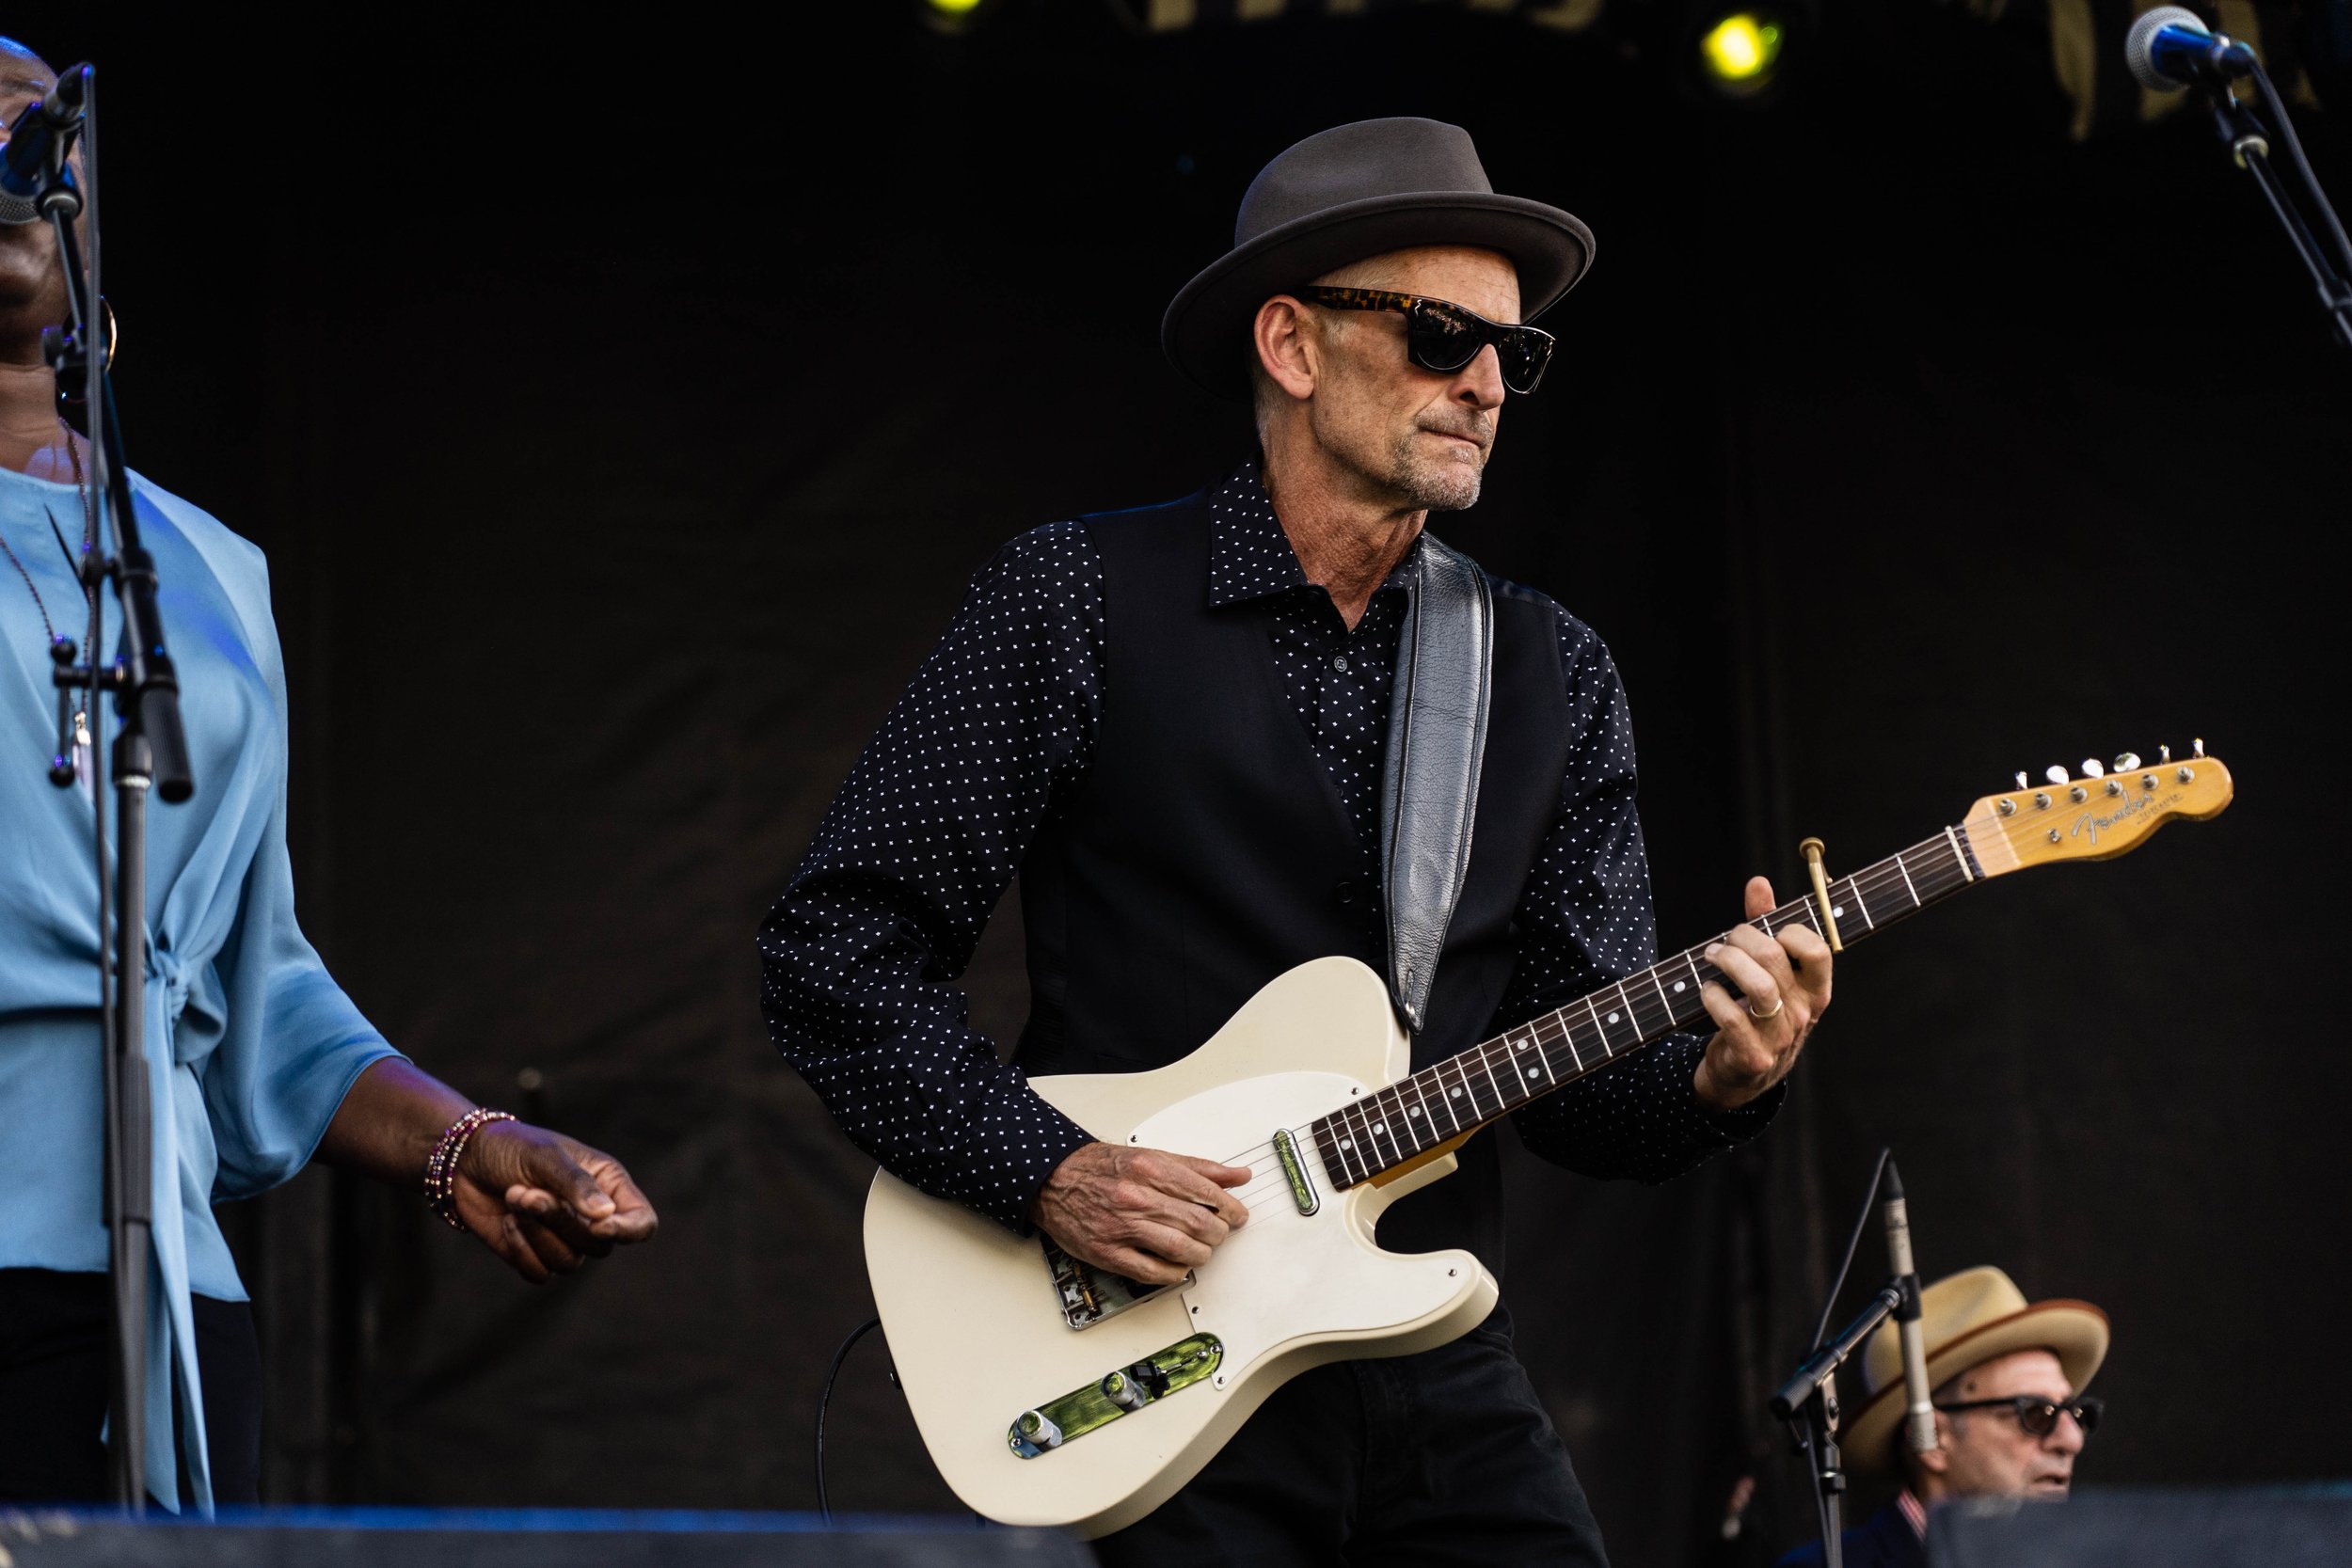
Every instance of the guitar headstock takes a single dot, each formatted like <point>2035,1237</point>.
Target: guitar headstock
<point>2095,814</point>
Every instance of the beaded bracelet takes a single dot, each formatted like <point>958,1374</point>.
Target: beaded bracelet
<point>440,1167</point>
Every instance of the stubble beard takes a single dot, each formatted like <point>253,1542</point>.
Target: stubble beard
<point>1433,483</point>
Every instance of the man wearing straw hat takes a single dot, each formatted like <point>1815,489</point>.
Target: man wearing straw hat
<point>2010,1415</point>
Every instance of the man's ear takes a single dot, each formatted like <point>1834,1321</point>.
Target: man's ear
<point>1282,338</point>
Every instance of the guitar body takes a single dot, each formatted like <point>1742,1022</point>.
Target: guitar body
<point>976,1323</point>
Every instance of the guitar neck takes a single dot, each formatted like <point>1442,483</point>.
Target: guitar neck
<point>1439,1106</point>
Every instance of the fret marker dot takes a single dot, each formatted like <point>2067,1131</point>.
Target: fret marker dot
<point>1412,1111</point>
<point>1534,1072</point>
<point>1378,1128</point>
<point>1458,1094</point>
<point>1677,985</point>
<point>1612,1017</point>
<point>1347,1143</point>
<point>1837,911</point>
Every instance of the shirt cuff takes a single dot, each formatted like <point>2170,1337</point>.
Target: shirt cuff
<point>1049,1138</point>
<point>1707,1127</point>
<point>1744,1123</point>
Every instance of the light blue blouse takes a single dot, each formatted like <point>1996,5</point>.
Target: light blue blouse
<point>250,1043</point>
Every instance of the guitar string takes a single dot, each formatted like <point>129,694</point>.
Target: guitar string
<point>1635,997</point>
<point>1371,1121</point>
<point>1547,1032</point>
<point>1870,886</point>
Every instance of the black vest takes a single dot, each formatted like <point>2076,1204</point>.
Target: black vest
<point>1205,850</point>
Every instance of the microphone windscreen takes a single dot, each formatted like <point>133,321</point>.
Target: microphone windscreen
<point>2140,51</point>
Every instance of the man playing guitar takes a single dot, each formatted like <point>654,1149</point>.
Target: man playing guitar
<point>1172,723</point>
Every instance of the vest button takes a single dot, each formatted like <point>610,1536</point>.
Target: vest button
<point>1347,891</point>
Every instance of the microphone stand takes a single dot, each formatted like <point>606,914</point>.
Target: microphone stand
<point>150,751</point>
<point>1808,1402</point>
<point>2248,140</point>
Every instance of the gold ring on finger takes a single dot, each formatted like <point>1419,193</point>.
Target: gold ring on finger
<point>1778,1003</point>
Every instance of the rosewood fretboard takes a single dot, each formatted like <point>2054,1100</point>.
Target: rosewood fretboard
<point>1437,1105</point>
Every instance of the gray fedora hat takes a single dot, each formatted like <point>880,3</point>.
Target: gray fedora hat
<point>1355,191</point>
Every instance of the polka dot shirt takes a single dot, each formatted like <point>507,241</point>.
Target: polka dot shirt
<point>861,954</point>
<point>1337,680</point>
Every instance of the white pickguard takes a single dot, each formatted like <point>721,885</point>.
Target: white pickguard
<point>1287,1276</point>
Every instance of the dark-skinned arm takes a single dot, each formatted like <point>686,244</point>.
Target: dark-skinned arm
<point>544,1202</point>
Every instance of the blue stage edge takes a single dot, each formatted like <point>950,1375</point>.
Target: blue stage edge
<point>518,1538</point>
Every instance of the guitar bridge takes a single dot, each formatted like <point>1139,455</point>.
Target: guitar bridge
<point>1087,1294</point>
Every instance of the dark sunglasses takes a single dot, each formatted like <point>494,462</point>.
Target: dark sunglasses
<point>2038,1415</point>
<point>1440,334</point>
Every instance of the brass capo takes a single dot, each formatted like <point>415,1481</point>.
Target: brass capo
<point>1812,850</point>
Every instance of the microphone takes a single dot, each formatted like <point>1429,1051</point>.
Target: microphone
<point>2170,48</point>
<point>45,130</point>
<point>1919,1427</point>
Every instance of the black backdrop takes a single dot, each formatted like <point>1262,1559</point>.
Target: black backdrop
<point>624,406</point>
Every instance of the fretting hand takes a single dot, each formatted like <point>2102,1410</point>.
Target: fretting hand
<point>1142,1212</point>
<point>1785,982</point>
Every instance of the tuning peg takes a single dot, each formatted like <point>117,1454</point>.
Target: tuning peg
<point>2055,775</point>
<point>2023,782</point>
<point>2199,744</point>
<point>2164,753</point>
<point>2093,767</point>
<point>2126,761</point>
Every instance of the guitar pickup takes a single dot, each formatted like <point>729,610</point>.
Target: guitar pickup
<point>1118,1392</point>
<point>1294,1171</point>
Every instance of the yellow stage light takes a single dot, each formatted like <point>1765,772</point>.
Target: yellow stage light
<point>1740,50</point>
<point>956,17</point>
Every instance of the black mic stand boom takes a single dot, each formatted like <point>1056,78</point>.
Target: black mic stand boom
<point>1810,1396</point>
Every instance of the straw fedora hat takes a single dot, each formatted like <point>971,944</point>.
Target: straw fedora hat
<point>1355,191</point>
<point>1968,1319</point>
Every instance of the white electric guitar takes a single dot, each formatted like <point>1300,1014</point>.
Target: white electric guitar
<point>1050,1392</point>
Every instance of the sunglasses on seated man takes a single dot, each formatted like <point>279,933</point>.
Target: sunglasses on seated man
<point>2038,1415</point>
<point>1440,335</point>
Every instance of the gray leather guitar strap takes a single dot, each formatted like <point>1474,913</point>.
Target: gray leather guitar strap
<point>1437,740</point>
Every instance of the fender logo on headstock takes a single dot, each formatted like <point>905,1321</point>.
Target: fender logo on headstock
<point>2090,825</point>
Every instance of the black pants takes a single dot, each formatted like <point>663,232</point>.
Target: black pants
<point>1444,1457</point>
<point>54,1329</point>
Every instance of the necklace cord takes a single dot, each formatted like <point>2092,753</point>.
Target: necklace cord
<point>72,727</point>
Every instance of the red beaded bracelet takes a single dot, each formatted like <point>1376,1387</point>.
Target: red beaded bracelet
<point>440,1167</point>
